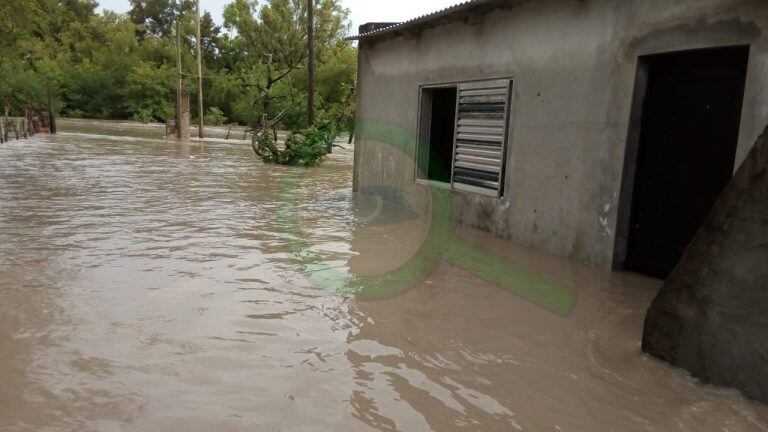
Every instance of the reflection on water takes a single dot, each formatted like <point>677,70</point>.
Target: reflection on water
<point>149,285</point>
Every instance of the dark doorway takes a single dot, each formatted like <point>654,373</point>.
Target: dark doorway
<point>439,116</point>
<point>687,147</point>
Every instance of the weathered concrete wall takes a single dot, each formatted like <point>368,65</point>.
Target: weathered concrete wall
<point>573,63</point>
<point>711,315</point>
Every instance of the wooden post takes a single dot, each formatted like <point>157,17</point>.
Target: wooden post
<point>2,131</point>
<point>201,133</point>
<point>183,125</point>
<point>311,62</point>
<point>179,82</point>
<point>28,123</point>
<point>51,118</point>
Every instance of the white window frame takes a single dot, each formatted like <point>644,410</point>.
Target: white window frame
<point>424,128</point>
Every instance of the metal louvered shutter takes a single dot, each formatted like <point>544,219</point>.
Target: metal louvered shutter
<point>481,137</point>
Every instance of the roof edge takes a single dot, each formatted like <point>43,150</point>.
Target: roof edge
<point>380,29</point>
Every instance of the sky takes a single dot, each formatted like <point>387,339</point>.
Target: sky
<point>363,11</point>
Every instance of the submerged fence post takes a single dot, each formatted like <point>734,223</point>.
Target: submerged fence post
<point>30,123</point>
<point>51,118</point>
<point>182,128</point>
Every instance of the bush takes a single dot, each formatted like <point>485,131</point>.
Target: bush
<point>303,148</point>
<point>265,147</point>
<point>143,115</point>
<point>308,147</point>
<point>215,117</point>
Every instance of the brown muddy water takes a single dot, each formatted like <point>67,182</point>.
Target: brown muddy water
<point>148,285</point>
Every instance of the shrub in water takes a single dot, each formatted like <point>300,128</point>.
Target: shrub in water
<point>303,148</point>
<point>143,115</point>
<point>215,117</point>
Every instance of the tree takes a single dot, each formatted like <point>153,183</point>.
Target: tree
<point>272,41</point>
<point>211,35</point>
<point>148,92</point>
<point>109,65</point>
<point>158,17</point>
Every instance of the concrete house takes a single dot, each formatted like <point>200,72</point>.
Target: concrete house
<point>605,131</point>
<point>599,130</point>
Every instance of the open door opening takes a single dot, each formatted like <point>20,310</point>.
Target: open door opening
<point>437,133</point>
<point>686,151</point>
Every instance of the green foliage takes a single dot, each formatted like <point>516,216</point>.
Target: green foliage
<point>148,92</point>
<point>18,87</point>
<point>215,117</point>
<point>305,148</point>
<point>265,146</point>
<point>90,91</point>
<point>123,66</point>
<point>269,53</point>
<point>158,17</point>
<point>144,115</point>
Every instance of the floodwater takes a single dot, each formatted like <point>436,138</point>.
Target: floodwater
<point>150,285</point>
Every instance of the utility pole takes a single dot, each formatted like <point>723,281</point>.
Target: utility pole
<point>178,79</point>
<point>201,133</point>
<point>311,62</point>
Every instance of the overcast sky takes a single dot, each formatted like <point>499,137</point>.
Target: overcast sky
<point>363,11</point>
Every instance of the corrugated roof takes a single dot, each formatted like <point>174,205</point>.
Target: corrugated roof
<point>425,19</point>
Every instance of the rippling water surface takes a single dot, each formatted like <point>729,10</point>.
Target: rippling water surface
<point>150,285</point>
